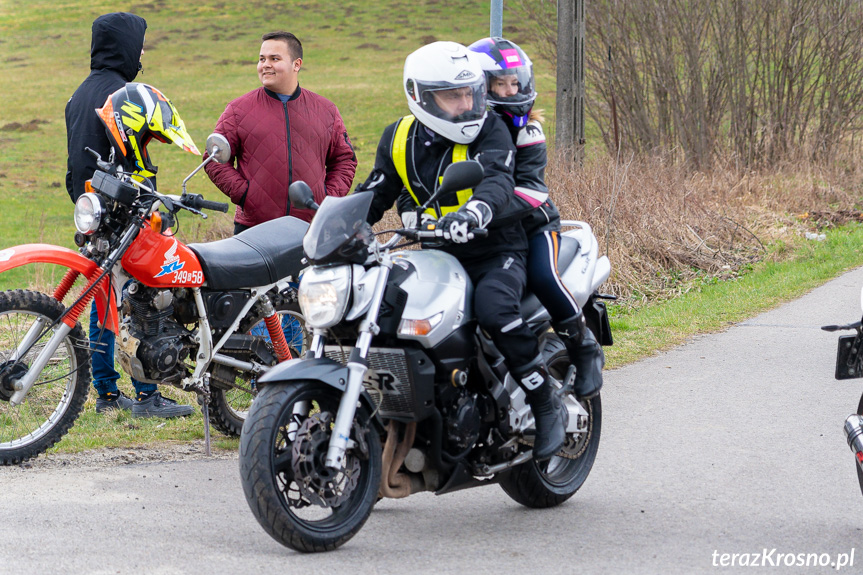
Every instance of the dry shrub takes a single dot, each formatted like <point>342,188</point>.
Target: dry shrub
<point>662,224</point>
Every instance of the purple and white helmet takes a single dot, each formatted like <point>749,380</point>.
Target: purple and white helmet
<point>509,75</point>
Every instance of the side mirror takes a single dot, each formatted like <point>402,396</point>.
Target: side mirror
<point>218,148</point>
<point>301,196</point>
<point>458,176</point>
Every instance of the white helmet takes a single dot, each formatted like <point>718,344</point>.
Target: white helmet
<point>435,79</point>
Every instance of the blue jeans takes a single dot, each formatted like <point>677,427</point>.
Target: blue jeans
<point>104,375</point>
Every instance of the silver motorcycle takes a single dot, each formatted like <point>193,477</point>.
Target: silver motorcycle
<point>400,391</point>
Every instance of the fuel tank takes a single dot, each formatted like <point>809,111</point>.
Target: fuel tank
<point>439,292</point>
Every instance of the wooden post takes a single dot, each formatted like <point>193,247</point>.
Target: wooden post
<point>569,124</point>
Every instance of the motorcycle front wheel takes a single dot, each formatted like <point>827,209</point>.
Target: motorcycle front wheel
<point>550,483</point>
<point>233,390</point>
<point>299,501</point>
<point>56,399</point>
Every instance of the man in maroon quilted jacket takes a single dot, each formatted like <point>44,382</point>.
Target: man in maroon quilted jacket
<point>281,133</point>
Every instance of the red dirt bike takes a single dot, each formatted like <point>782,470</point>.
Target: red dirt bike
<point>207,317</point>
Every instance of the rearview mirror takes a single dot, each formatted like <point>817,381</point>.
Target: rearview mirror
<point>301,196</point>
<point>458,176</point>
<point>218,148</point>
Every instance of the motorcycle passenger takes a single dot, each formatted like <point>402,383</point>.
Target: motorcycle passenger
<point>511,94</point>
<point>445,88</point>
<point>116,49</point>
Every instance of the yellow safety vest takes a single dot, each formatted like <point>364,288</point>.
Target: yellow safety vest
<point>399,152</point>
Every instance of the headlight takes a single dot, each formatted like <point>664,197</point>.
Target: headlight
<point>324,294</point>
<point>88,213</point>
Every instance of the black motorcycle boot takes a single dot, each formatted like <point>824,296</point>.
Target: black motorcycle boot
<point>549,413</point>
<point>585,354</point>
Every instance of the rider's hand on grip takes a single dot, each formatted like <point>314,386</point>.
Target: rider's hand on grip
<point>456,226</point>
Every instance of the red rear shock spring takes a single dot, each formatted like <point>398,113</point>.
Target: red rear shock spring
<point>277,336</point>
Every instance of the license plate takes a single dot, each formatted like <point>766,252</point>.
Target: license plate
<point>848,357</point>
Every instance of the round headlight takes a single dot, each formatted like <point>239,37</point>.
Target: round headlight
<point>88,213</point>
<point>324,294</point>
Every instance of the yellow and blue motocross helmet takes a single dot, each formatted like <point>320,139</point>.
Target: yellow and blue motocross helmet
<point>134,115</point>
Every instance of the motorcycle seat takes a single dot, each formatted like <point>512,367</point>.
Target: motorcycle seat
<point>530,304</point>
<point>261,255</point>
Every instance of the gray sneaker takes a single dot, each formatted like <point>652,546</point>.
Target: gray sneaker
<point>118,401</point>
<point>158,406</point>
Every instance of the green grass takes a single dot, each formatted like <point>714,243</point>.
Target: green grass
<point>714,305</point>
<point>202,55</point>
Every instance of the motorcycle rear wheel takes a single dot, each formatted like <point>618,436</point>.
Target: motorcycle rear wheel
<point>56,399</point>
<point>230,403</point>
<point>322,509</point>
<point>550,483</point>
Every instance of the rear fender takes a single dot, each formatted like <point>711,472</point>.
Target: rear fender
<point>26,254</point>
<point>323,370</point>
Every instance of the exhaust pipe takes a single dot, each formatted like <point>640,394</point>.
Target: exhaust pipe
<point>854,435</point>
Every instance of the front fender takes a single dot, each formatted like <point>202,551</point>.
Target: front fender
<point>26,254</point>
<point>324,370</point>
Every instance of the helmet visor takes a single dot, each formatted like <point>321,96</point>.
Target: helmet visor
<point>463,103</point>
<point>511,86</point>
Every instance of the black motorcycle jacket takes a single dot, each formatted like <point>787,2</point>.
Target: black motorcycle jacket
<point>115,56</point>
<point>531,158</point>
<point>427,156</point>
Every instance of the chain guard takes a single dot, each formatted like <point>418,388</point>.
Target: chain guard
<point>319,484</point>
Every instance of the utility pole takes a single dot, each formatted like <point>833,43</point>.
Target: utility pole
<point>569,124</point>
<point>496,21</point>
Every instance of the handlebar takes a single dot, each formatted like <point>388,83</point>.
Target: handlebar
<point>432,233</point>
<point>197,202</point>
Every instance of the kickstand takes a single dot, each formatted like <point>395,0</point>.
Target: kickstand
<point>206,409</point>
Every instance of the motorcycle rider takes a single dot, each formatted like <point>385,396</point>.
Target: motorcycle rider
<point>445,88</point>
<point>116,49</point>
<point>511,94</point>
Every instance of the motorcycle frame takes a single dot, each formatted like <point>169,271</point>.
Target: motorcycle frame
<point>106,307</point>
<point>351,382</point>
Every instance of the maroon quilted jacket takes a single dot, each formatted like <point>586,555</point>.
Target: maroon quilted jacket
<point>275,144</point>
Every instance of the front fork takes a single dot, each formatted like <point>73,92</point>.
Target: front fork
<point>357,367</point>
<point>22,386</point>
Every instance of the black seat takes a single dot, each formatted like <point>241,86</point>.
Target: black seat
<point>568,249</point>
<point>261,255</point>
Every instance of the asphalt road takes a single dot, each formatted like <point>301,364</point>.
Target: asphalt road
<point>729,444</point>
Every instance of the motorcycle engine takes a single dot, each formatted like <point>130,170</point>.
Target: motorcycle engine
<point>462,417</point>
<point>160,346</point>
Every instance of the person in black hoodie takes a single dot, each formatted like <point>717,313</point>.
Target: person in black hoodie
<point>115,58</point>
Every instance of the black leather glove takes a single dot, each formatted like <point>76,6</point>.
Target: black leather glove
<point>457,225</point>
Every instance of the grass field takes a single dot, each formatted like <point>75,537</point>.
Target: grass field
<point>202,55</point>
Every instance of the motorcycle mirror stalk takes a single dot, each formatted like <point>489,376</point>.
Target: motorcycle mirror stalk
<point>456,176</point>
<point>218,150</point>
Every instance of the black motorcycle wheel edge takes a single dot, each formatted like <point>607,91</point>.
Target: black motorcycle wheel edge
<point>550,483</point>
<point>229,407</point>
<point>267,475</point>
<point>50,407</point>
<point>857,465</point>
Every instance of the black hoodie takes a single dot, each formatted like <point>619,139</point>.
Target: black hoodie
<point>115,56</point>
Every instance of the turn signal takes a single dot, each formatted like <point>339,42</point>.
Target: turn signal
<point>88,187</point>
<point>156,222</point>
